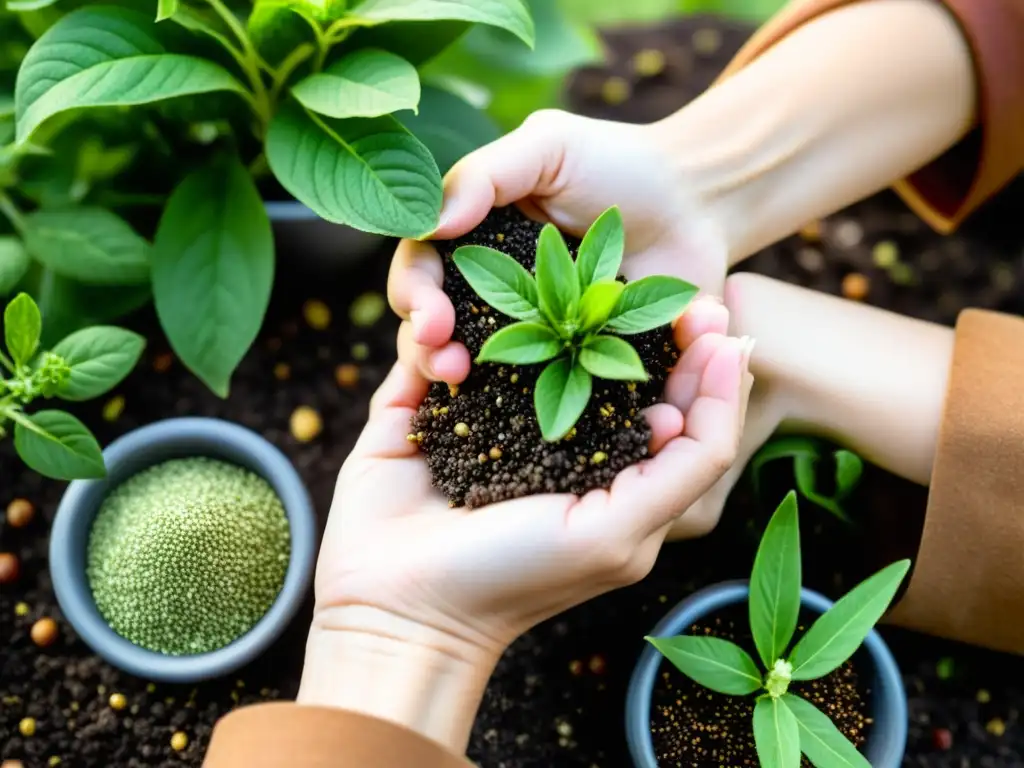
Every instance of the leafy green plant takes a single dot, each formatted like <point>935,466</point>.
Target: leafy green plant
<point>784,723</point>
<point>219,104</point>
<point>84,365</point>
<point>808,454</point>
<point>572,315</point>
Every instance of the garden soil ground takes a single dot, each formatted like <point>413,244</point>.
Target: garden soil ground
<point>556,698</point>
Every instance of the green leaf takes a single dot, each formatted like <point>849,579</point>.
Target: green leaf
<point>106,56</point>
<point>775,584</point>
<point>820,740</point>
<point>203,22</point>
<point>510,15</point>
<point>559,397</point>
<point>58,445</point>
<point>600,253</point>
<point>521,344</point>
<point>365,83</point>
<point>371,174</point>
<point>213,269</point>
<point>279,27</point>
<point>806,454</point>
<point>839,632</point>
<point>609,357</point>
<point>100,357</point>
<point>651,302</point>
<point>557,286</point>
<point>91,245</point>
<point>165,9</point>
<point>597,304</point>
<point>849,468</point>
<point>712,662</point>
<point>23,326</point>
<point>499,280</point>
<point>449,126</point>
<point>20,6</point>
<point>14,263</point>
<point>776,734</point>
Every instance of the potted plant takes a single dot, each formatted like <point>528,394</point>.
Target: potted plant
<point>567,355</point>
<point>724,702</point>
<point>82,366</point>
<point>191,556</point>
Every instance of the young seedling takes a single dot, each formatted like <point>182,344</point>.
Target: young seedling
<point>572,315</point>
<point>84,365</point>
<point>786,724</point>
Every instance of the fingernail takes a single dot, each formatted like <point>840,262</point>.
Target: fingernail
<point>447,212</point>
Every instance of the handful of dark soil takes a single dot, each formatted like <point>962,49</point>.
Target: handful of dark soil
<point>482,440</point>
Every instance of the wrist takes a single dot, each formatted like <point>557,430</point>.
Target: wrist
<point>377,664</point>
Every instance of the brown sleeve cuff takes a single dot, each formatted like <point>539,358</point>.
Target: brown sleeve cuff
<point>946,191</point>
<point>282,734</point>
<point>967,582</point>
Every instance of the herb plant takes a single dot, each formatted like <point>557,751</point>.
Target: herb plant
<point>807,454</point>
<point>572,315</point>
<point>784,723</point>
<point>84,365</point>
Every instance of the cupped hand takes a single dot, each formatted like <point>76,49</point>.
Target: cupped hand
<point>565,169</point>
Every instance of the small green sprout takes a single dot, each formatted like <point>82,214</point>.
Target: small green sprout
<point>806,454</point>
<point>786,724</point>
<point>572,315</point>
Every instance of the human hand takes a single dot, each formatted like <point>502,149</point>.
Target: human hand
<point>565,169</point>
<point>415,601</point>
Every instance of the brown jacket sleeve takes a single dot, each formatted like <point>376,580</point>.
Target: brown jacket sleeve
<point>285,734</point>
<point>968,576</point>
<point>947,190</point>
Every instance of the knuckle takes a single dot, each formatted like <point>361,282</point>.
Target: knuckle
<point>547,120</point>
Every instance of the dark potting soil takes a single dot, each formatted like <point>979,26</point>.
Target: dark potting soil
<point>694,726</point>
<point>481,439</point>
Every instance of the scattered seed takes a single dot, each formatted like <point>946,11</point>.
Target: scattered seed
<point>945,668</point>
<point>282,371</point>
<point>162,363</point>
<point>615,90</point>
<point>44,632</point>
<point>942,738</point>
<point>482,458</point>
<point>453,390</point>
<point>179,741</point>
<point>117,701</point>
<point>564,729</point>
<point>848,233</point>
<point>811,231</point>
<point>597,664</point>
<point>151,688</point>
<point>367,309</point>
<point>347,375</point>
<point>305,424</point>
<point>27,726</point>
<point>462,429</point>
<point>495,453</point>
<point>360,351</point>
<point>706,41</point>
<point>500,237</point>
<point>9,568</point>
<point>53,761</point>
<point>885,254</point>
<point>599,457</point>
<point>649,62</point>
<point>856,286</point>
<point>984,697</point>
<point>576,667</point>
<point>20,513</point>
<point>996,726</point>
<point>514,378</point>
<point>810,259</point>
<point>901,273</point>
<point>21,609</point>
<point>316,314</point>
<point>113,408</point>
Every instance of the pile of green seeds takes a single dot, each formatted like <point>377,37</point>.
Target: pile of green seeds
<point>186,556</point>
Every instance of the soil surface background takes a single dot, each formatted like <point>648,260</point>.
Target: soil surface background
<point>556,698</point>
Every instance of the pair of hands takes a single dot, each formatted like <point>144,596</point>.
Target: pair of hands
<point>399,569</point>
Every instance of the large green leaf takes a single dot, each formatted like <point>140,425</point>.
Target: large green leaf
<point>91,245</point>
<point>499,280</point>
<point>371,174</point>
<point>213,269</point>
<point>712,662</point>
<point>511,15</point>
<point>14,263</point>
<point>559,397</point>
<point>521,344</point>
<point>100,357</point>
<point>776,734</point>
<point>23,326</point>
<point>839,632</point>
<point>775,584</point>
<point>449,126</point>
<point>106,56</point>
<point>820,740</point>
<point>600,253</point>
<point>609,357</point>
<point>651,302</point>
<point>557,286</point>
<point>58,445</point>
<point>365,83</point>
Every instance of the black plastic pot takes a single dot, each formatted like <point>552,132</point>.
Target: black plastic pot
<point>317,245</point>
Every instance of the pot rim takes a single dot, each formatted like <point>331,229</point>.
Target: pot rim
<point>890,738</point>
<point>145,447</point>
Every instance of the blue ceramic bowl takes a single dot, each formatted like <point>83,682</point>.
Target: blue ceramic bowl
<point>142,448</point>
<point>888,738</point>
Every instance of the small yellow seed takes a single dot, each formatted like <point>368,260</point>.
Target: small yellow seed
<point>885,254</point>
<point>305,424</point>
<point>27,726</point>
<point>500,237</point>
<point>21,609</point>
<point>996,727</point>
<point>179,741</point>
<point>984,697</point>
<point>599,457</point>
<point>462,429</point>
<point>53,761</point>
<point>20,513</point>
<point>482,458</point>
<point>615,90</point>
<point>113,408</point>
<point>118,701</point>
<point>453,390</point>
<point>495,453</point>
<point>649,62</point>
<point>706,41</point>
<point>360,351</point>
<point>367,309</point>
<point>514,378</point>
<point>316,314</point>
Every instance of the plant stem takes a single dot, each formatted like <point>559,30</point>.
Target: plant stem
<point>292,62</point>
<point>341,28</point>
<point>250,63</point>
<point>10,210</point>
<point>7,363</point>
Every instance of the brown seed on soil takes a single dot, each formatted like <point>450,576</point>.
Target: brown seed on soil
<point>20,513</point>
<point>162,363</point>
<point>942,738</point>
<point>856,286</point>
<point>44,632</point>
<point>347,375</point>
<point>9,568</point>
<point>282,371</point>
<point>305,424</point>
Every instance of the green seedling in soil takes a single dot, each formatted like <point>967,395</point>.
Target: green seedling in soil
<point>572,315</point>
<point>786,724</point>
<point>84,365</point>
<point>807,454</point>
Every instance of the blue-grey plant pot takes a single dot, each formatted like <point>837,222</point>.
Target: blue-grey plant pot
<point>306,240</point>
<point>888,737</point>
<point>145,447</point>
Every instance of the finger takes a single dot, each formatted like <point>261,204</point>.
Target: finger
<point>684,381</point>
<point>414,292</point>
<point>402,388</point>
<point>666,422</point>
<point>520,164</point>
<point>450,363</point>
<point>705,315</point>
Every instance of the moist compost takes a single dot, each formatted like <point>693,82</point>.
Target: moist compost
<point>693,726</point>
<point>481,438</point>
